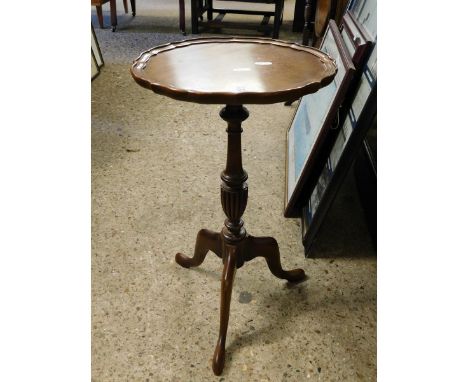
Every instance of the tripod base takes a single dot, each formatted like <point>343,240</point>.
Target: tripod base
<point>234,254</point>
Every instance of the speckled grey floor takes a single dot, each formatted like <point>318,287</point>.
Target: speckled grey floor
<point>155,183</point>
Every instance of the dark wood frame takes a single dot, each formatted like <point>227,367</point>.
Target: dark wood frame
<point>365,121</point>
<point>362,46</point>
<point>325,138</point>
<point>199,7</point>
<point>362,41</point>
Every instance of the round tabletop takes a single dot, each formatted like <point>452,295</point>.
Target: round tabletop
<point>233,70</point>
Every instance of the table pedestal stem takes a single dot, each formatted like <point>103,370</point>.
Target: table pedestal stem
<point>233,244</point>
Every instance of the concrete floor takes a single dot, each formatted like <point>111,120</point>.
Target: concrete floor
<point>155,183</point>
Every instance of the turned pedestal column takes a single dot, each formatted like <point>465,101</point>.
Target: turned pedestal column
<point>233,244</point>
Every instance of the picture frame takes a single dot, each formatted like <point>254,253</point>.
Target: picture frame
<point>312,126</point>
<point>358,42</point>
<point>97,61</point>
<point>365,13</point>
<point>359,45</point>
<point>94,66</point>
<point>96,48</point>
<point>360,117</point>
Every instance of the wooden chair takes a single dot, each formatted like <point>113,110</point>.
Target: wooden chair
<point>199,7</point>
<point>98,4</point>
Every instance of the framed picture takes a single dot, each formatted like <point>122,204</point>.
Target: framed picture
<point>356,39</point>
<point>96,49</point>
<point>312,126</point>
<point>359,45</point>
<point>96,56</point>
<point>360,117</point>
<point>365,12</point>
<point>94,66</point>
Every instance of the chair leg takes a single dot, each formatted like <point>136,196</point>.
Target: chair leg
<point>99,16</point>
<point>278,15</point>
<point>210,10</point>
<point>125,6</point>
<point>182,16</point>
<point>282,11</point>
<point>194,16</point>
<point>132,4</point>
<point>113,10</point>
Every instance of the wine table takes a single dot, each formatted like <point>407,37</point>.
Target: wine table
<point>234,71</point>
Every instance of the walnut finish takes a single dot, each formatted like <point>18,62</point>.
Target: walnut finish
<point>233,244</point>
<point>233,70</point>
<point>201,71</point>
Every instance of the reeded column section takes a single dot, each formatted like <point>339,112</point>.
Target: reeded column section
<point>234,189</point>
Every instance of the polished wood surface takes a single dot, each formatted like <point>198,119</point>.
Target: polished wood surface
<point>233,70</point>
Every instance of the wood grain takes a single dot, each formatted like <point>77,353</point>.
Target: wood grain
<point>231,70</point>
